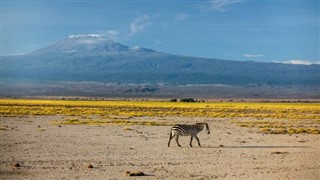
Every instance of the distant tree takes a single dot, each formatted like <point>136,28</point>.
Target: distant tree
<point>187,100</point>
<point>173,100</point>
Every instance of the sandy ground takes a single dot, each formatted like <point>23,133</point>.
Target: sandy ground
<point>46,151</point>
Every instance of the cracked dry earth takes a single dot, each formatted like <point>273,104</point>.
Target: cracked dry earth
<point>32,148</point>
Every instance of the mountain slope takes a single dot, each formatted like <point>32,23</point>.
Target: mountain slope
<point>94,58</point>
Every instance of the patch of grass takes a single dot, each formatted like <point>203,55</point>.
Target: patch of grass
<point>281,126</point>
<point>127,129</point>
<point>265,130</point>
<point>292,131</point>
<point>279,131</point>
<point>313,131</point>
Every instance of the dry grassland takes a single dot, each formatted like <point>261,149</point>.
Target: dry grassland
<point>61,139</point>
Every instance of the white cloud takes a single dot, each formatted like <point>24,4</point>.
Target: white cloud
<point>112,34</point>
<point>301,62</point>
<point>221,5</point>
<point>181,17</point>
<point>253,55</point>
<point>139,24</point>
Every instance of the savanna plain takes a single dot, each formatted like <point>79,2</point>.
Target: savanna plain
<point>78,139</point>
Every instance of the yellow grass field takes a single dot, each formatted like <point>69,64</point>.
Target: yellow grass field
<point>274,118</point>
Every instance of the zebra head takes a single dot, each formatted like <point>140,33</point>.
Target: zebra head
<point>202,125</point>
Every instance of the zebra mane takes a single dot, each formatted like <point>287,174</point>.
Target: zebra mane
<point>201,125</point>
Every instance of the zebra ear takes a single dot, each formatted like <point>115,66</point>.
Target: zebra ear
<point>207,126</point>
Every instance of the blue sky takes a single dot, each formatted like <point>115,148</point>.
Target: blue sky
<point>276,31</point>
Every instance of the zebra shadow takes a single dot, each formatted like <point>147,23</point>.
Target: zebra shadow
<point>253,147</point>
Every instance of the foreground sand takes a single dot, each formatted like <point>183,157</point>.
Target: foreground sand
<point>46,151</point>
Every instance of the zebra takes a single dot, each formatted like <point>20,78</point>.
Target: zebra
<point>187,130</point>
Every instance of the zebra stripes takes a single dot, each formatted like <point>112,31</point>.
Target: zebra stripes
<point>187,130</point>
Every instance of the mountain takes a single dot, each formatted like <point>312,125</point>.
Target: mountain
<point>88,45</point>
<point>93,58</point>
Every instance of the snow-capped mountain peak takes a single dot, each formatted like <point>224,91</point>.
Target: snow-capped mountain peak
<point>93,44</point>
<point>135,48</point>
<point>87,39</point>
<point>85,35</point>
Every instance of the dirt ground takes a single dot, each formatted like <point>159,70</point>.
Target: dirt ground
<point>32,148</point>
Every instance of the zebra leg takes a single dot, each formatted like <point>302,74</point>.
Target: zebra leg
<point>198,140</point>
<point>191,141</point>
<point>177,139</point>
<point>171,136</point>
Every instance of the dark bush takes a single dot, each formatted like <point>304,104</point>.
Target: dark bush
<point>187,100</point>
